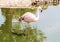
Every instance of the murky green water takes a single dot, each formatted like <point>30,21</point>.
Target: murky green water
<point>13,31</point>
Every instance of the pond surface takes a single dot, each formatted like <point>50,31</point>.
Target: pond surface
<point>49,22</point>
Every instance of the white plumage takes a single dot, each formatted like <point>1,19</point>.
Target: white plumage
<point>30,17</point>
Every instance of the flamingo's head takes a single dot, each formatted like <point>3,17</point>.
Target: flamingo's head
<point>20,19</point>
<point>40,8</point>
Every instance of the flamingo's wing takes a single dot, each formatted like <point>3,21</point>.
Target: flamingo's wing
<point>29,17</point>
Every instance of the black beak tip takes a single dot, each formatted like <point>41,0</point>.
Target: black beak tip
<point>41,10</point>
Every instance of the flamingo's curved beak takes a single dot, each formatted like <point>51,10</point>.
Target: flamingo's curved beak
<point>20,19</point>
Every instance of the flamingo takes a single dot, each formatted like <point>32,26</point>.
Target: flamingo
<point>30,17</point>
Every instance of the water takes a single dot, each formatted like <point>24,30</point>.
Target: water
<point>2,18</point>
<point>49,23</point>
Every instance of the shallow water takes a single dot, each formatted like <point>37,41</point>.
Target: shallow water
<point>49,23</point>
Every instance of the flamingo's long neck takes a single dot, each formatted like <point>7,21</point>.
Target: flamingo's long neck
<point>37,13</point>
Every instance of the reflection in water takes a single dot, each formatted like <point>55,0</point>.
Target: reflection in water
<point>2,18</point>
<point>31,34</point>
<point>11,31</point>
<point>8,22</point>
<point>45,3</point>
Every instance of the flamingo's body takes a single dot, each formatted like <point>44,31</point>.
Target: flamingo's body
<point>30,17</point>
